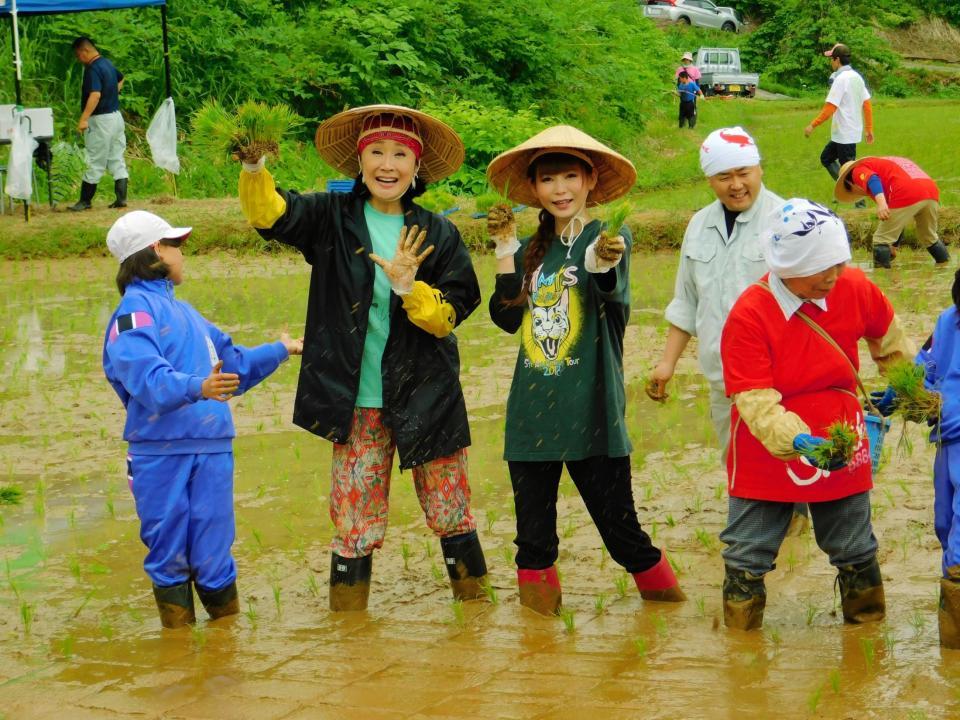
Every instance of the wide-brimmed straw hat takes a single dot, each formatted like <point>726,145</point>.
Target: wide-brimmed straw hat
<point>840,191</point>
<point>615,174</point>
<point>336,141</point>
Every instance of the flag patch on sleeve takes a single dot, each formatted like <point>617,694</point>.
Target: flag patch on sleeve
<point>130,321</point>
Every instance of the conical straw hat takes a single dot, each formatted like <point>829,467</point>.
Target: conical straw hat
<point>840,191</point>
<point>336,141</point>
<point>615,174</point>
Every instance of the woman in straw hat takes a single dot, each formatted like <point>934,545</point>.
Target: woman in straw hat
<point>790,360</point>
<point>389,282</point>
<point>567,290</point>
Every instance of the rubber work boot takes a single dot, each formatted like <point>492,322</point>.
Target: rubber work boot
<point>175,604</point>
<point>220,603</point>
<point>120,189</point>
<point>744,598</point>
<point>87,191</point>
<point>540,590</point>
<point>938,251</point>
<point>834,169</point>
<point>659,584</point>
<point>948,614</point>
<point>861,592</point>
<point>349,582</point>
<point>466,566</point>
<point>882,256</point>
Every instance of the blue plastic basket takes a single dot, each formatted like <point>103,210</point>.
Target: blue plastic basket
<point>877,428</point>
<point>339,186</point>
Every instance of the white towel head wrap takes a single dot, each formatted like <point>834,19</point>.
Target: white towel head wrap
<point>726,149</point>
<point>803,238</point>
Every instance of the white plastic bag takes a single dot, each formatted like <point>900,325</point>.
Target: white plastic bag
<point>162,136</point>
<point>20,169</point>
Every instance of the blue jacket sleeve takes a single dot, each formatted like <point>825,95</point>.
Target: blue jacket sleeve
<point>134,360</point>
<point>253,365</point>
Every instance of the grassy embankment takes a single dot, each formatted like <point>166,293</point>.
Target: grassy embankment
<point>669,189</point>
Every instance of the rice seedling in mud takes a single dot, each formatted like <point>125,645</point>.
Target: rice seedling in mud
<point>889,639</point>
<point>918,622</point>
<point>600,603</point>
<point>26,616</point>
<point>835,681</point>
<point>701,603</point>
<point>814,699</point>
<point>427,549</point>
<point>313,587</point>
<point>251,614</point>
<point>705,539</point>
<point>275,587</point>
<point>640,644</point>
<point>66,647</point>
<point>914,402</point>
<point>812,613</point>
<point>405,553</point>
<point>492,517</point>
<point>456,607</point>
<point>660,624</point>
<point>11,495</point>
<point>621,584</point>
<point>867,645</point>
<point>506,552</point>
<point>40,499</point>
<point>603,556</point>
<point>569,620</point>
<point>253,131</point>
<point>842,441</point>
<point>436,572</point>
<point>490,591</point>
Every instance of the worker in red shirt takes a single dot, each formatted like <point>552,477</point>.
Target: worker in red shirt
<point>903,192</point>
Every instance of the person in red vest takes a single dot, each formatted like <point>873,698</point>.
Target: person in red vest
<point>789,355</point>
<point>902,192</point>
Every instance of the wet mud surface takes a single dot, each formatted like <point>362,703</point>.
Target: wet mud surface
<point>79,635</point>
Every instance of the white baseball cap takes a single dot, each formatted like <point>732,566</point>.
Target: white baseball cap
<point>140,229</point>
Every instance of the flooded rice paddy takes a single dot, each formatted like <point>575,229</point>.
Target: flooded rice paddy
<point>79,635</point>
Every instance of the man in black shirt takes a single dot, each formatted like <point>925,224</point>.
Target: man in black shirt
<point>101,125</point>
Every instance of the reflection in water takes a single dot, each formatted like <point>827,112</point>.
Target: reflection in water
<point>31,353</point>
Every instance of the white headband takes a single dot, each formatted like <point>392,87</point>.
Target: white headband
<point>804,238</point>
<point>726,149</point>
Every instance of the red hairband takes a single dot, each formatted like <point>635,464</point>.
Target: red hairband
<point>399,137</point>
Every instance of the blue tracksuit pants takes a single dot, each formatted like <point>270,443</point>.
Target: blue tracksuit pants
<point>185,505</point>
<point>946,502</point>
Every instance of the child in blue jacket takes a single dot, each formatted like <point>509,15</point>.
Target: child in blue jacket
<point>174,372</point>
<point>941,356</point>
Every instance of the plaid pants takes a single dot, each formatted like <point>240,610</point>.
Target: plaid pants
<point>756,528</point>
<point>360,488</point>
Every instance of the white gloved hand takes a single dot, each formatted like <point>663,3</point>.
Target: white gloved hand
<point>255,167</point>
<point>604,253</point>
<point>502,229</point>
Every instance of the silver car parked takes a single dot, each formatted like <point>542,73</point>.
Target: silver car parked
<point>703,13</point>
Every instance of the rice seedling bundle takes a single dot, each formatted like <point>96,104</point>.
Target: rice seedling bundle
<point>914,402</point>
<point>254,130</point>
<point>842,442</point>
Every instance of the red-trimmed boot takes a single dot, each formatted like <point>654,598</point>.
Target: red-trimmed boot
<point>659,583</point>
<point>540,590</point>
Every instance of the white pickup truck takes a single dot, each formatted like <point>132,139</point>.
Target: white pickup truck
<point>720,73</point>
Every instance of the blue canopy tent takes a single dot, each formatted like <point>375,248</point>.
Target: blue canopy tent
<point>15,8</point>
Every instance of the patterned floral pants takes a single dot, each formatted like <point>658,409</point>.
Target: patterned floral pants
<point>360,488</point>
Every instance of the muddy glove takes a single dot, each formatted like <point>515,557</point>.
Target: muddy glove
<point>254,167</point>
<point>885,401</point>
<point>604,253</point>
<point>502,229</point>
<point>402,270</point>
<point>804,444</point>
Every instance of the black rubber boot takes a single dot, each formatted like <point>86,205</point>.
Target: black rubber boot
<point>87,191</point>
<point>220,603</point>
<point>834,169</point>
<point>860,204</point>
<point>938,251</point>
<point>744,599</point>
<point>882,256</point>
<point>120,189</point>
<point>175,604</point>
<point>349,582</point>
<point>466,565</point>
<point>861,592</point>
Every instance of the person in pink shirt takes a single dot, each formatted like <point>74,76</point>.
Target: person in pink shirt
<point>687,66</point>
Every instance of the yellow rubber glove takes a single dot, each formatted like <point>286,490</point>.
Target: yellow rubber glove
<point>260,202</point>
<point>427,310</point>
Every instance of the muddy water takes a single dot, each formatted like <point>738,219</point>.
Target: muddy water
<point>78,630</point>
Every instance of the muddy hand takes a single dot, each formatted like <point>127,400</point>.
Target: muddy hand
<point>220,386</point>
<point>610,249</point>
<point>656,387</point>
<point>294,347</point>
<point>502,229</point>
<point>402,270</point>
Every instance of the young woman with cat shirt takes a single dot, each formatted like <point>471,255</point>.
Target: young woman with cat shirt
<point>567,290</point>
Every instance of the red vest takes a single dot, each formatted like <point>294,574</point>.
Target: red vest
<point>760,349</point>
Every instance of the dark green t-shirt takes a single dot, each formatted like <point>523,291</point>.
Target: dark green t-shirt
<point>567,399</point>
